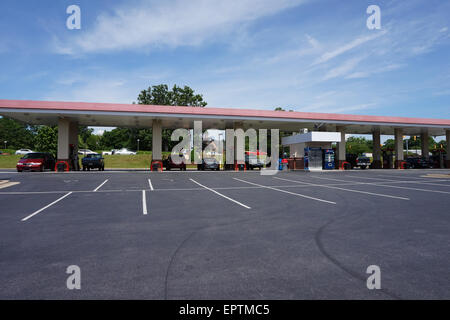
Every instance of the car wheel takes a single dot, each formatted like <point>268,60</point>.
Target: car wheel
<point>89,169</point>
<point>103,168</point>
<point>84,168</point>
<point>41,168</point>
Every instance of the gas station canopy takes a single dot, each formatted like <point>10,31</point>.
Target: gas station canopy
<point>142,116</point>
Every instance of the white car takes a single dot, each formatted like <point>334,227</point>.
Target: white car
<point>125,151</point>
<point>24,151</point>
<point>85,152</point>
<point>109,153</point>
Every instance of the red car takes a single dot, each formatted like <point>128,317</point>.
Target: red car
<point>36,161</point>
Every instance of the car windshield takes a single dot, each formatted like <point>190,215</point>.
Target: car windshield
<point>34,156</point>
<point>94,156</point>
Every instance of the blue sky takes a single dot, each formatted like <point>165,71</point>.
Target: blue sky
<point>316,56</point>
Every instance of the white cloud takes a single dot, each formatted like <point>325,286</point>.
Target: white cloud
<point>96,90</point>
<point>311,48</point>
<point>348,46</point>
<point>374,70</point>
<point>329,107</point>
<point>343,69</point>
<point>170,23</point>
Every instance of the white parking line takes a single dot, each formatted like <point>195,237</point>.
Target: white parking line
<point>218,193</point>
<point>47,206</point>
<point>96,189</point>
<point>405,181</point>
<point>389,186</point>
<point>344,189</point>
<point>150,184</point>
<point>144,203</point>
<point>284,191</point>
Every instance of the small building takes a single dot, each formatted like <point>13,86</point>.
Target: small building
<point>315,142</point>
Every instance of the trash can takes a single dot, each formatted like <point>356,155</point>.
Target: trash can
<point>156,166</point>
<point>283,164</point>
<point>62,166</point>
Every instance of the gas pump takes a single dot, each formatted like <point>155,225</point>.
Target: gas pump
<point>328,159</point>
<point>388,159</point>
<point>73,160</point>
<point>437,157</point>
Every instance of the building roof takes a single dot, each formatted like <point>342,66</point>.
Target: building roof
<point>135,115</point>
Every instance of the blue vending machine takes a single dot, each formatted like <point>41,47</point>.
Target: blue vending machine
<point>328,159</point>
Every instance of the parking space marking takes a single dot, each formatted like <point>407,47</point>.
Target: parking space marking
<point>387,185</point>
<point>406,181</point>
<point>6,183</point>
<point>344,189</point>
<point>181,189</point>
<point>409,188</point>
<point>144,203</point>
<point>222,195</point>
<point>47,206</point>
<point>150,184</point>
<point>284,191</point>
<point>96,189</point>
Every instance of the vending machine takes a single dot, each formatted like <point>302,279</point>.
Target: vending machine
<point>328,159</point>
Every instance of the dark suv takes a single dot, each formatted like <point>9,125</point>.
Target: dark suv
<point>209,163</point>
<point>93,160</point>
<point>419,163</point>
<point>252,162</point>
<point>363,162</point>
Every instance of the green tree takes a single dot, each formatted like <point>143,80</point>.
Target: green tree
<point>357,145</point>
<point>47,139</point>
<point>85,132</point>
<point>389,144</point>
<point>442,144</point>
<point>161,95</point>
<point>115,139</point>
<point>93,142</point>
<point>18,134</point>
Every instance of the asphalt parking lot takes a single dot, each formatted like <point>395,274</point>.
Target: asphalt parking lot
<point>225,235</point>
